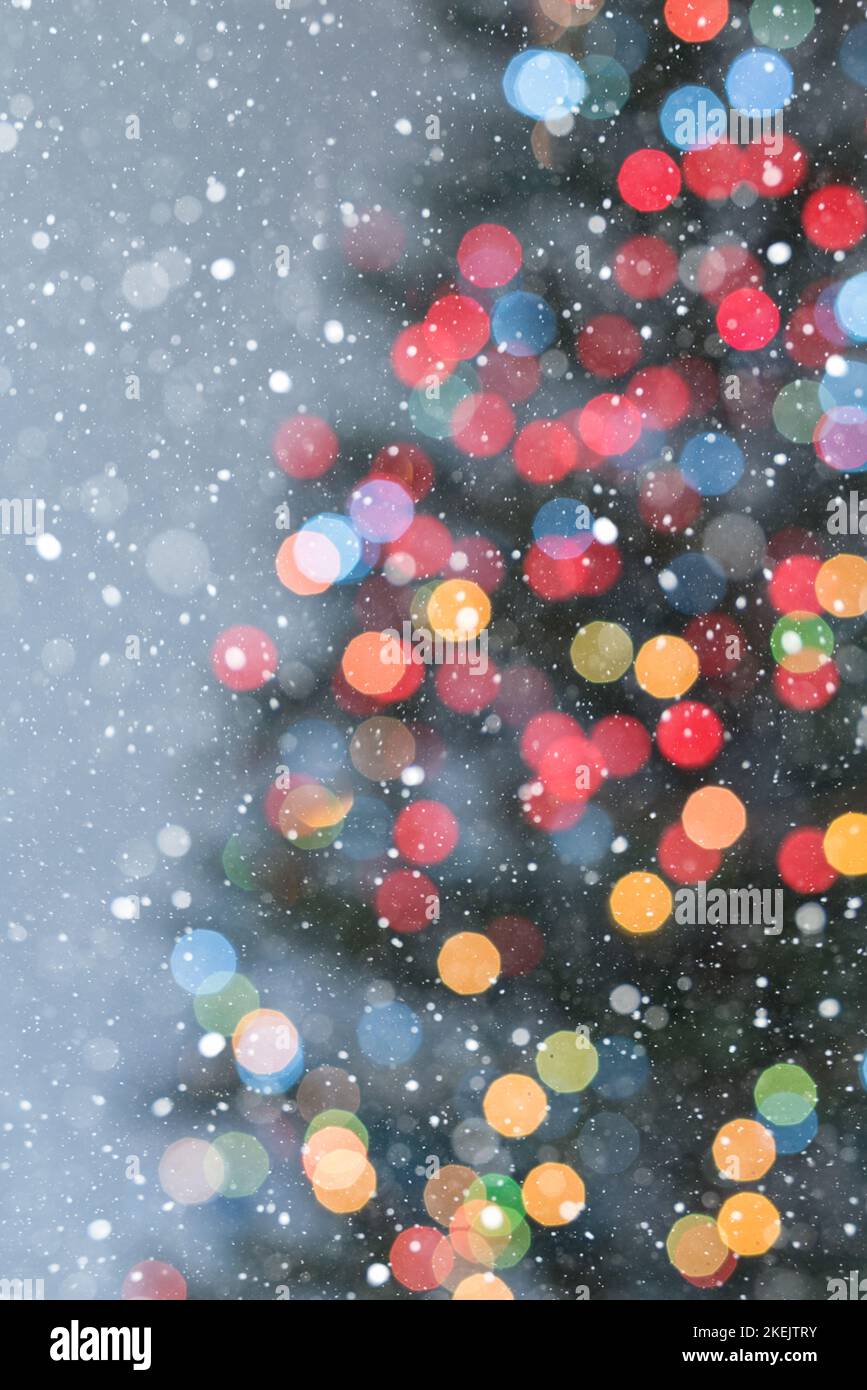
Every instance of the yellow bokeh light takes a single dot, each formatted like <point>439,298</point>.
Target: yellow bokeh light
<point>841,586</point>
<point>311,807</point>
<point>343,1200</point>
<point>749,1223</point>
<point>744,1150</point>
<point>469,963</point>
<point>695,1246</point>
<point>553,1194</point>
<point>331,1139</point>
<point>458,610</point>
<point>515,1105</point>
<point>339,1170</point>
<point>666,667</point>
<point>482,1288</point>
<point>640,903</point>
<point>845,844</point>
